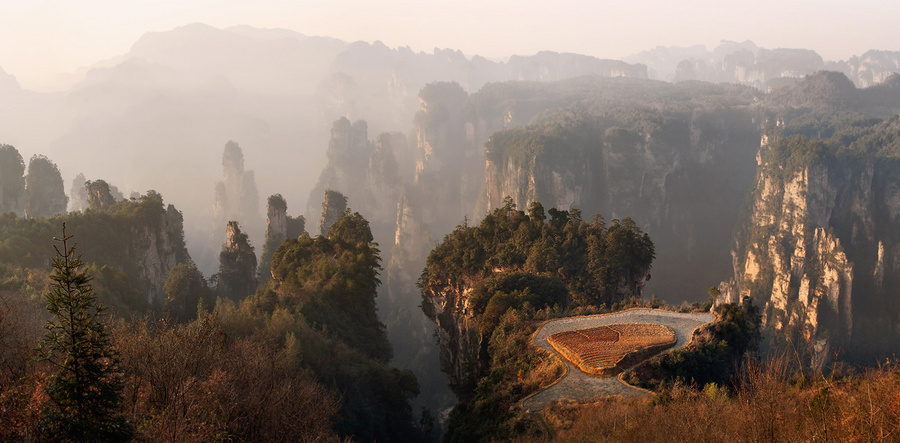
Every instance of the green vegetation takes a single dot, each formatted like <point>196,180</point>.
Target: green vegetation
<point>303,359</point>
<point>332,280</point>
<point>520,268</point>
<point>590,260</point>
<point>516,369</point>
<point>236,278</point>
<point>715,354</point>
<point>293,227</point>
<point>187,292</point>
<point>85,388</point>
<point>114,243</point>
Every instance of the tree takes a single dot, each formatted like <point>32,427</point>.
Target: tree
<point>45,193</point>
<point>185,289</point>
<point>85,390</point>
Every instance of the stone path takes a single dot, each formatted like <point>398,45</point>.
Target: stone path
<point>577,385</point>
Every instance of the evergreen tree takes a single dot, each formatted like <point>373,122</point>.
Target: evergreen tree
<point>85,390</point>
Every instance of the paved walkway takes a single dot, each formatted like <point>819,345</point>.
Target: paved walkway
<point>577,385</point>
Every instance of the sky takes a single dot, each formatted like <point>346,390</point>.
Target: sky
<point>43,40</point>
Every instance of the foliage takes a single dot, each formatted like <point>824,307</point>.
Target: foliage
<point>44,189</point>
<point>186,291</point>
<point>769,404</point>
<point>85,389</point>
<point>113,242</point>
<point>590,260</point>
<point>237,265</point>
<point>329,284</point>
<point>714,355</point>
<point>117,291</point>
<point>517,369</point>
<point>198,382</point>
<point>333,281</point>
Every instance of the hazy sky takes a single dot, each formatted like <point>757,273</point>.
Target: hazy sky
<point>40,39</point>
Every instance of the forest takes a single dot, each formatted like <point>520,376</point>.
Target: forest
<point>302,358</point>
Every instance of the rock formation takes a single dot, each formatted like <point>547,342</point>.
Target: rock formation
<point>683,175</point>
<point>514,260</point>
<point>99,195</point>
<point>45,193</point>
<point>237,265</point>
<point>237,198</point>
<point>12,180</point>
<point>817,247</point>
<point>279,227</point>
<point>333,207</point>
<point>78,199</point>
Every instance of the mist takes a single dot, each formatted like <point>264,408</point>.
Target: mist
<point>423,144</point>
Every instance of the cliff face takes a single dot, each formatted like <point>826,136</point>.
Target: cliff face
<point>236,196</point>
<point>683,177</point>
<point>817,245</point>
<point>156,249</point>
<point>463,348</point>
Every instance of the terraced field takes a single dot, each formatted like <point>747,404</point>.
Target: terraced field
<point>607,350</point>
<point>577,385</point>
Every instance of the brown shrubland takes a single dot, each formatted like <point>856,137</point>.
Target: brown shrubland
<point>769,404</point>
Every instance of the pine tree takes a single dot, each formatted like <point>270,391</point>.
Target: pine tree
<point>85,390</point>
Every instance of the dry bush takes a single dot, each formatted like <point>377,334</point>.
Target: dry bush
<point>20,330</point>
<point>770,405</point>
<point>191,383</point>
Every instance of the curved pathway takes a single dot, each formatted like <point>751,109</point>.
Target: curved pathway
<point>577,385</point>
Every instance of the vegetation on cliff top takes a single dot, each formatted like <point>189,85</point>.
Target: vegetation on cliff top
<point>596,263</point>
<point>521,267</point>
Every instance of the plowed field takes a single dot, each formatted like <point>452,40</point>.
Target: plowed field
<point>605,350</point>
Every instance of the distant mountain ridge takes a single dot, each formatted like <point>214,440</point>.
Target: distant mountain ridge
<point>183,93</point>
<point>748,64</point>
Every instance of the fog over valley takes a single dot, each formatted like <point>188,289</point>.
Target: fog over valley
<point>312,236</point>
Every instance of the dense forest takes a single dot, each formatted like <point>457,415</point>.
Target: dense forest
<point>303,358</point>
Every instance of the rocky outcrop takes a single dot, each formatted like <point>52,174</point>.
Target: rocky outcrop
<point>157,248</point>
<point>45,193</point>
<point>237,265</point>
<point>683,176</point>
<point>766,69</point>
<point>236,196</point>
<point>12,179</point>
<point>366,172</point>
<point>817,247</point>
<point>870,68</point>
<point>279,227</point>
<point>333,208</point>
<point>463,348</point>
